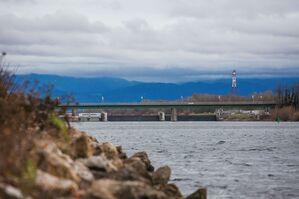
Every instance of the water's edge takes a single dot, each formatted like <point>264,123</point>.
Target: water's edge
<point>231,159</point>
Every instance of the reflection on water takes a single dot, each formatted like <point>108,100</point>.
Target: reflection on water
<point>231,159</point>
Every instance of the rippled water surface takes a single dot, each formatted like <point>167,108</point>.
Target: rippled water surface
<point>232,159</point>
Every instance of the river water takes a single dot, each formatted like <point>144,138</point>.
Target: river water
<point>232,159</point>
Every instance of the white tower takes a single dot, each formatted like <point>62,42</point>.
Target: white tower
<point>234,90</point>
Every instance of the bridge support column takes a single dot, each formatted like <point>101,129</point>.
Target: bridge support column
<point>104,116</point>
<point>219,114</point>
<point>258,117</point>
<point>161,116</point>
<point>174,116</point>
<point>74,112</point>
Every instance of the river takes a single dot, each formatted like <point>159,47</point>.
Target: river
<point>232,159</point>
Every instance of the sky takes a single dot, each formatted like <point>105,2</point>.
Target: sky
<point>156,40</point>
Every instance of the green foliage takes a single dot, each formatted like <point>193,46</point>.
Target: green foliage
<point>58,123</point>
<point>28,176</point>
<point>30,171</point>
<point>61,127</point>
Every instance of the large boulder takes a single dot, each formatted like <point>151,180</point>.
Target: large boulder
<point>100,166</point>
<point>10,192</point>
<point>74,133</point>
<point>171,190</point>
<point>53,186</point>
<point>83,172</point>
<point>135,164</point>
<point>96,148</point>
<point>201,193</point>
<point>81,147</point>
<point>162,175</point>
<point>131,174</point>
<point>111,189</point>
<point>144,158</point>
<point>106,148</point>
<point>99,163</point>
<point>57,164</point>
<point>121,154</point>
<point>91,138</point>
<point>51,160</point>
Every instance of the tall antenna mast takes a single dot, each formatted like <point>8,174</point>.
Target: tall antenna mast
<point>234,90</point>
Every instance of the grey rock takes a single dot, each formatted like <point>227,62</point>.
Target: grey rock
<point>10,192</point>
<point>201,193</point>
<point>162,175</point>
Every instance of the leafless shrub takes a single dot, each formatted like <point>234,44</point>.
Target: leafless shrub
<point>255,97</point>
<point>284,114</point>
<point>296,116</point>
<point>23,115</point>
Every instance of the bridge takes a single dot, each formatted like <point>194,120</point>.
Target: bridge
<point>173,106</point>
<point>245,105</point>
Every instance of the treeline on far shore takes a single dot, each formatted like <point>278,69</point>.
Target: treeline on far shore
<point>286,97</point>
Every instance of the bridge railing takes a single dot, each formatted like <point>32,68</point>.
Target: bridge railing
<point>167,105</point>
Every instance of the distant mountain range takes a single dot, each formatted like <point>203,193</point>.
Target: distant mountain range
<point>121,90</point>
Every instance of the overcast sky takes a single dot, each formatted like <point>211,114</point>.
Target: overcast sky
<point>153,40</point>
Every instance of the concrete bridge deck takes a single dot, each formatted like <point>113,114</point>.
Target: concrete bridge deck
<point>172,106</point>
<point>246,105</point>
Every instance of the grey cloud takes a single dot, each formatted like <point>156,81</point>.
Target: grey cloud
<point>178,36</point>
<point>58,21</point>
<point>232,8</point>
<point>18,1</point>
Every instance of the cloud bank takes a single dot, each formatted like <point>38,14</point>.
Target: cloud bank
<point>170,40</point>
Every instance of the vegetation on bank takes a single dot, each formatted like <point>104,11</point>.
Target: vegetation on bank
<point>24,119</point>
<point>255,97</point>
<point>287,99</point>
<point>284,113</point>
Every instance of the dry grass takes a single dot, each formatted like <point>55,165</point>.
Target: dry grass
<point>287,113</point>
<point>296,116</point>
<point>23,116</point>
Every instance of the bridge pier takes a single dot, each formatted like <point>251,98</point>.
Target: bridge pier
<point>161,116</point>
<point>174,116</point>
<point>74,112</point>
<point>104,116</point>
<point>219,114</point>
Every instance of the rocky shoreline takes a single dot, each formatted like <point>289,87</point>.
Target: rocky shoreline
<point>42,157</point>
<point>82,167</point>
